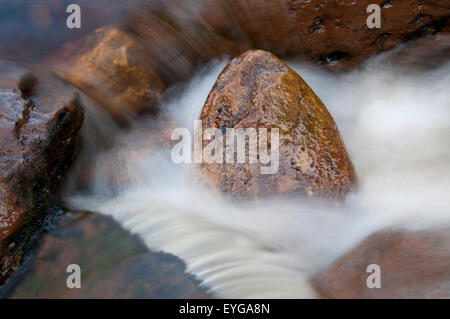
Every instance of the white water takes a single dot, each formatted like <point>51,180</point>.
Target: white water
<point>396,127</point>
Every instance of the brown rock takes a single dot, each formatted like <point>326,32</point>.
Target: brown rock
<point>255,24</point>
<point>412,264</point>
<point>113,70</point>
<point>336,33</point>
<point>257,90</point>
<point>333,33</point>
<point>38,145</point>
<point>177,38</point>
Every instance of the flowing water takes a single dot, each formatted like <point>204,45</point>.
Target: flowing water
<point>396,127</point>
<point>395,124</point>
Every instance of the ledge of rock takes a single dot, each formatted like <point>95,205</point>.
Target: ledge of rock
<point>412,265</point>
<point>257,90</point>
<point>336,33</point>
<point>39,142</point>
<point>333,33</point>
<point>113,70</point>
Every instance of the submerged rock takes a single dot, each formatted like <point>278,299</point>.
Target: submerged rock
<point>333,33</point>
<point>38,145</point>
<point>412,265</point>
<point>257,90</point>
<point>113,70</point>
<point>114,264</point>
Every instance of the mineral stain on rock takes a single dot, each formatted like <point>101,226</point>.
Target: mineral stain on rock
<point>257,90</point>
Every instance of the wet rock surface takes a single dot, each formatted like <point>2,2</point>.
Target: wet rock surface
<point>114,264</point>
<point>177,37</point>
<point>39,143</point>
<point>113,70</point>
<point>333,33</point>
<point>257,90</point>
<point>126,71</point>
<point>412,264</point>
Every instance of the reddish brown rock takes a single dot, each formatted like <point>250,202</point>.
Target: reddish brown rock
<point>38,144</point>
<point>177,38</point>
<point>257,90</point>
<point>113,70</point>
<point>333,33</point>
<point>412,264</point>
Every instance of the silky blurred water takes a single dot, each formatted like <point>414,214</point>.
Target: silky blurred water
<point>395,123</point>
<point>396,126</point>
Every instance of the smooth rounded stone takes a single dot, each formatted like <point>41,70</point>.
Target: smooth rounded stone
<point>412,265</point>
<point>113,70</point>
<point>257,90</point>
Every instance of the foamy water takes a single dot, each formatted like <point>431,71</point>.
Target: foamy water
<point>396,126</point>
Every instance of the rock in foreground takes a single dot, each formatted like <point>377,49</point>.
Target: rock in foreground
<point>114,264</point>
<point>257,90</point>
<point>412,265</point>
<point>38,145</point>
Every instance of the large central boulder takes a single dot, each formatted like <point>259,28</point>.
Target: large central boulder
<point>257,90</point>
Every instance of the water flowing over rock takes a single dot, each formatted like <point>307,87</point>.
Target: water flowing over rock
<point>412,265</point>
<point>113,70</point>
<point>117,264</point>
<point>177,38</point>
<point>333,33</point>
<point>257,90</point>
<point>423,54</point>
<point>39,141</point>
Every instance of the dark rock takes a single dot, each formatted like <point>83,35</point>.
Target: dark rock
<point>39,143</point>
<point>114,264</point>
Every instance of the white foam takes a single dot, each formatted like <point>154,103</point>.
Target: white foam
<point>396,127</point>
